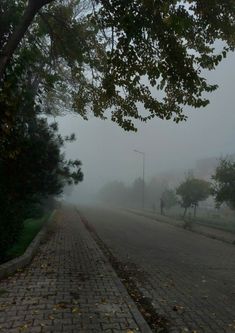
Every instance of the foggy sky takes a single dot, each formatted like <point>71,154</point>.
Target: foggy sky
<point>106,150</point>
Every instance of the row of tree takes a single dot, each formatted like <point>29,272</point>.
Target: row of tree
<point>33,168</point>
<point>188,194</point>
<point>222,188</point>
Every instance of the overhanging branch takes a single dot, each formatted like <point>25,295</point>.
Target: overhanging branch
<point>30,11</point>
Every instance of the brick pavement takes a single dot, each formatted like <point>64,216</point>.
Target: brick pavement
<point>69,287</point>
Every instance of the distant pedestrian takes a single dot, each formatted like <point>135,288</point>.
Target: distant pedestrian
<point>162,206</point>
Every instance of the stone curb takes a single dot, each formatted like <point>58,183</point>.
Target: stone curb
<point>143,325</point>
<point>141,322</point>
<point>178,224</point>
<point>10,267</point>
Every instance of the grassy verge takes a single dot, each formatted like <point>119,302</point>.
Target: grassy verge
<point>30,230</point>
<point>225,226</point>
<point>220,223</point>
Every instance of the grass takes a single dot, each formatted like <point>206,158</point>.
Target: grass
<point>221,225</point>
<point>211,219</point>
<point>30,230</point>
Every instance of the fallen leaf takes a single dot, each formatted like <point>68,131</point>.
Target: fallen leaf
<point>3,306</point>
<point>51,317</point>
<point>177,308</point>
<point>75,310</point>
<point>60,306</point>
<point>23,327</point>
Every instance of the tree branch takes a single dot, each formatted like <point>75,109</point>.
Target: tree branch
<point>30,11</point>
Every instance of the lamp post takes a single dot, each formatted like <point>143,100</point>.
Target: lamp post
<point>143,187</point>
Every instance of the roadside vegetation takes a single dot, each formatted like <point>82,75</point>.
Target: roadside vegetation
<point>99,57</point>
<point>33,170</point>
<point>210,202</point>
<point>192,191</point>
<point>30,229</point>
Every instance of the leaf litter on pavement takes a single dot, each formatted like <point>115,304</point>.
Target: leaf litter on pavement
<point>129,274</point>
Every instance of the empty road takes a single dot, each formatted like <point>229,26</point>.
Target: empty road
<point>190,278</point>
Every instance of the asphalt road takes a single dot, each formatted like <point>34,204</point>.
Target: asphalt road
<point>189,277</point>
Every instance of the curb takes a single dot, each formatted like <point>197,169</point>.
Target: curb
<point>10,267</point>
<point>168,221</point>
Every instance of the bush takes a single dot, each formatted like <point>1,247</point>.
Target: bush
<point>29,230</point>
<point>11,224</point>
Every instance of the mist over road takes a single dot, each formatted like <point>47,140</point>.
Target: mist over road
<point>189,277</point>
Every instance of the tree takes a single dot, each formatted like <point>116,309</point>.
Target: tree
<point>136,192</point>
<point>154,189</point>
<point>31,9</point>
<point>32,167</point>
<point>114,192</point>
<point>192,191</point>
<point>68,190</point>
<point>169,198</point>
<point>33,171</point>
<point>224,183</point>
<point>115,51</point>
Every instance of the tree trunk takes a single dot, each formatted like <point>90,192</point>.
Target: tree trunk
<point>195,210</point>
<point>30,11</point>
<point>185,211</point>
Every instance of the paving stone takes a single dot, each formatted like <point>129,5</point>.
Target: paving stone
<point>68,287</point>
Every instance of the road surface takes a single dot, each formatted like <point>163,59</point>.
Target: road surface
<point>189,277</point>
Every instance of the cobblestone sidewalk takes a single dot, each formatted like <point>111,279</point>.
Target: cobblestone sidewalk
<point>69,287</point>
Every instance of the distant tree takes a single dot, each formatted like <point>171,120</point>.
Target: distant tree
<point>114,192</point>
<point>169,198</point>
<point>223,186</point>
<point>192,191</point>
<point>68,190</point>
<point>154,189</point>
<point>136,192</point>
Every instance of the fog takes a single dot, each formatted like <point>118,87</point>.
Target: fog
<point>107,151</point>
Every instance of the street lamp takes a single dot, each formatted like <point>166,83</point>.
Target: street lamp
<point>143,188</point>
